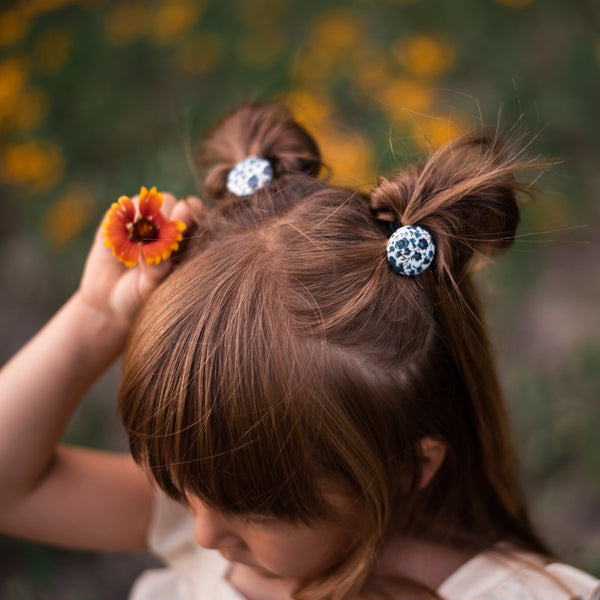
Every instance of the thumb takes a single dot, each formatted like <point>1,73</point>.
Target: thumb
<point>151,275</point>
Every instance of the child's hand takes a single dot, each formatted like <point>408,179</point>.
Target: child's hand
<point>116,291</point>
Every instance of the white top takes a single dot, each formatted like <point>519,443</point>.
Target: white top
<point>194,573</point>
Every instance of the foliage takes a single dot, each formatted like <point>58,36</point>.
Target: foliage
<point>100,97</point>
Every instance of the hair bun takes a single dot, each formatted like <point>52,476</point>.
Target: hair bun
<point>464,195</point>
<point>266,131</point>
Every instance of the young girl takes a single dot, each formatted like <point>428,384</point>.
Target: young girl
<point>310,395</point>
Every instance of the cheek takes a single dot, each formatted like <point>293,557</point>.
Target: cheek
<point>301,553</point>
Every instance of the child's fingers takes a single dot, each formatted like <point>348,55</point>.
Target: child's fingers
<point>189,210</point>
<point>169,202</point>
<point>152,275</point>
<point>197,209</point>
<point>182,212</point>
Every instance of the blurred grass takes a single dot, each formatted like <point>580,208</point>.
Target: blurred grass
<point>98,98</point>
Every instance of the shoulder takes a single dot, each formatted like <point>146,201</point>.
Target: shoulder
<point>500,576</point>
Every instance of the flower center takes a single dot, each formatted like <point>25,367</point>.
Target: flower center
<point>143,230</point>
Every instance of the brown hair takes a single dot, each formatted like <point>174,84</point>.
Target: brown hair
<point>284,348</point>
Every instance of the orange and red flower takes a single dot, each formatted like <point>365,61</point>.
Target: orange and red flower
<point>129,231</point>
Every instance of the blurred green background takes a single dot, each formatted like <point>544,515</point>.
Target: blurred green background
<point>98,98</point>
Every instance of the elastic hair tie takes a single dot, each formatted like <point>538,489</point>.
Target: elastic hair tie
<point>410,250</point>
<point>249,175</point>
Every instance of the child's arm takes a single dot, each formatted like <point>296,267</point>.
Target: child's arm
<point>65,495</point>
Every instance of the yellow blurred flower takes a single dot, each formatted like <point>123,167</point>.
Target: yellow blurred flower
<point>346,153</point>
<point>334,38</point>
<point>173,18</point>
<point>36,7</point>
<point>66,218</point>
<point>52,49</point>
<point>515,3</point>
<point>348,156</point>
<point>91,3</point>
<point>261,48</point>
<point>403,96</point>
<point>36,164</point>
<point>262,13</point>
<point>436,130</point>
<point>13,75</point>
<point>424,55</point>
<point>13,26</point>
<point>312,66</point>
<point>337,31</point>
<point>310,109</point>
<point>370,69</point>
<point>29,111</point>
<point>126,22</point>
<point>200,54</point>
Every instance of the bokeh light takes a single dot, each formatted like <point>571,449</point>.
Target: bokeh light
<point>98,96</point>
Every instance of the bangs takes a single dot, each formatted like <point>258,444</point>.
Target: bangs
<point>214,401</point>
<point>260,466</point>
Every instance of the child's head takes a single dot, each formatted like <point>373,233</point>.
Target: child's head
<point>285,355</point>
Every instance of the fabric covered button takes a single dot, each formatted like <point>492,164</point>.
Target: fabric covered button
<point>249,175</point>
<point>410,250</point>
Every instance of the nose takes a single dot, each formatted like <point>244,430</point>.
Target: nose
<point>212,530</point>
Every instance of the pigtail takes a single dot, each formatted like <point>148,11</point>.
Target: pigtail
<point>266,131</point>
<point>465,196</point>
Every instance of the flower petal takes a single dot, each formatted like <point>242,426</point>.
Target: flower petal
<point>171,231</point>
<point>116,232</point>
<point>126,207</point>
<point>118,217</point>
<point>127,252</point>
<point>150,203</point>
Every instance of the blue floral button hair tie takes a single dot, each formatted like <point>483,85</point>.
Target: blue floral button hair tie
<point>249,175</point>
<point>410,250</point>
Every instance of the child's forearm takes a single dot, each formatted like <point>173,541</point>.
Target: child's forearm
<point>41,386</point>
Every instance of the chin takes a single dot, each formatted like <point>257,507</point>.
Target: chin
<point>242,559</point>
